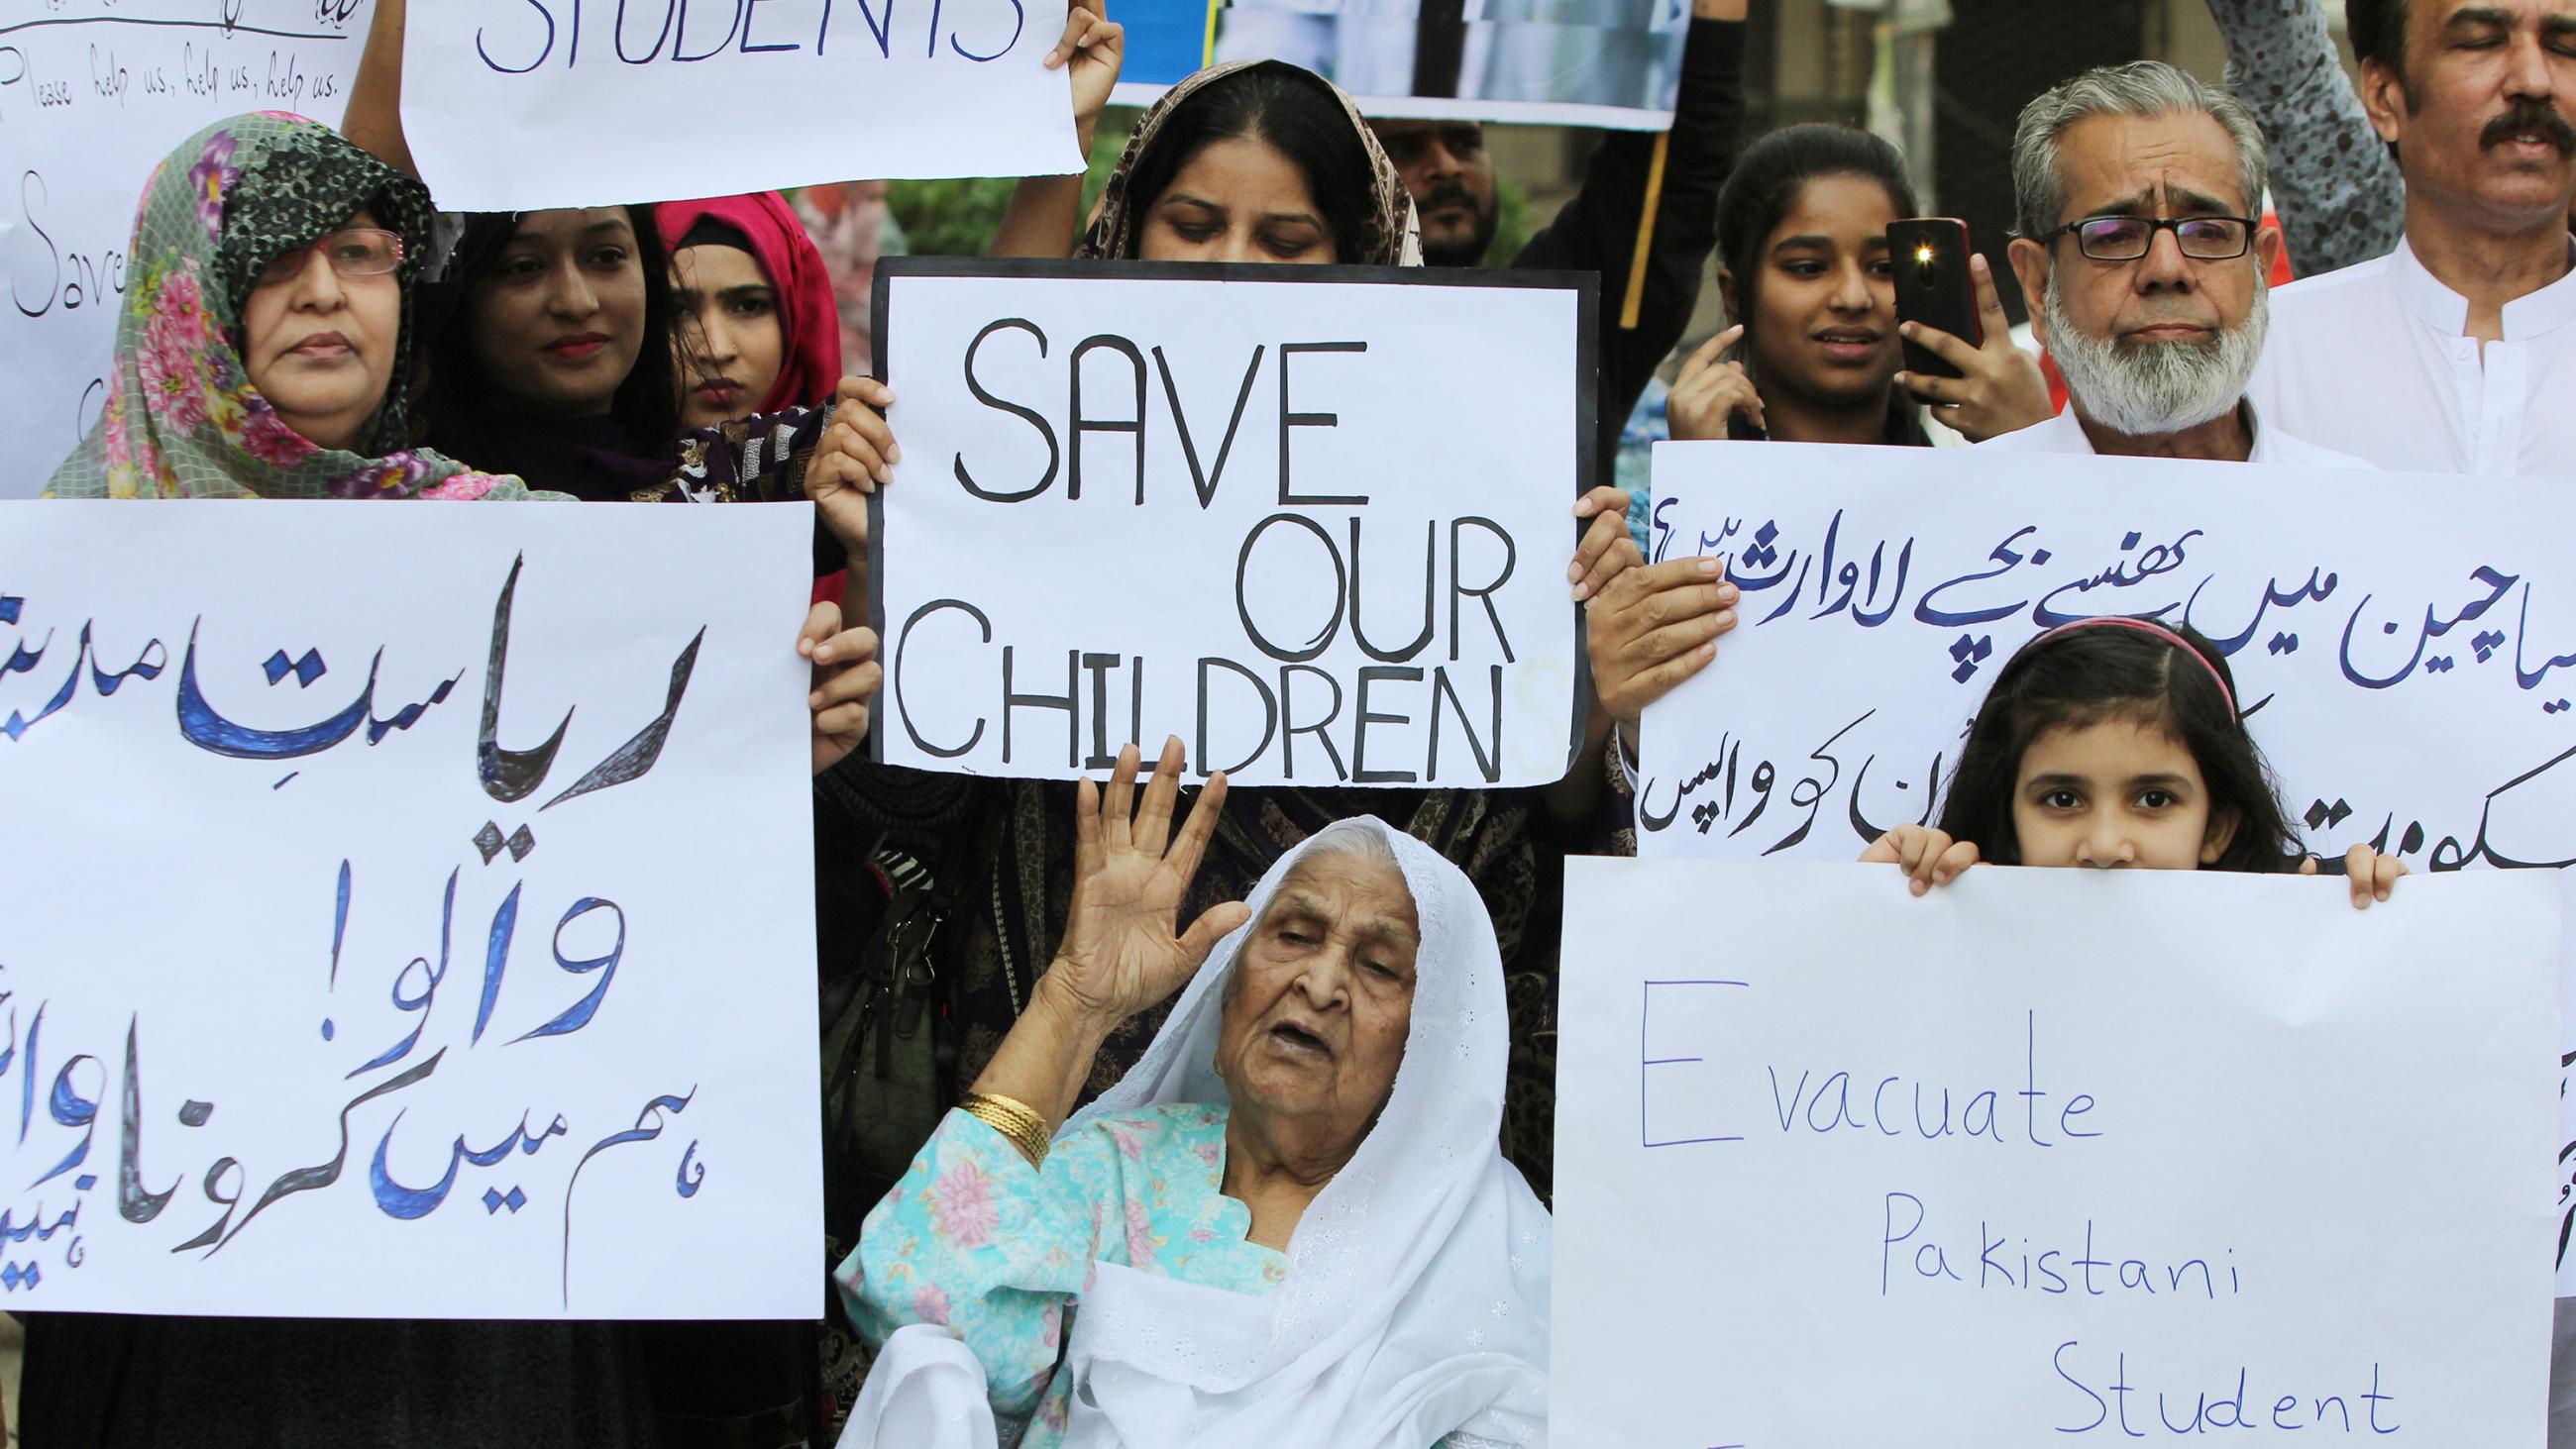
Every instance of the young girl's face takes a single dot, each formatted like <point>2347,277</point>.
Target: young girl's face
<point>2115,793</point>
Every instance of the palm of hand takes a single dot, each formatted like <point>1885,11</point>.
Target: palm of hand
<point>1120,953</point>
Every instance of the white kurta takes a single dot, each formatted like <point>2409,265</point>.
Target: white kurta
<point>2371,358</point>
<point>2065,434</point>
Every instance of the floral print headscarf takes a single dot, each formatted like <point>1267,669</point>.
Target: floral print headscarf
<point>182,418</point>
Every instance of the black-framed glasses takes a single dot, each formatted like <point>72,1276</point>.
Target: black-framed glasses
<point>2127,238</point>
<point>358,251</point>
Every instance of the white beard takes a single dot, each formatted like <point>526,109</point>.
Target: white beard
<point>2162,387</point>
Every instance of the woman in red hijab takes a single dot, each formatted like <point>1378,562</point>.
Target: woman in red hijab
<point>758,331</point>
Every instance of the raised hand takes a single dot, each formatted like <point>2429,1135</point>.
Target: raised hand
<point>2000,389</point>
<point>1093,48</point>
<point>1712,391</point>
<point>857,454</point>
<point>1121,952</point>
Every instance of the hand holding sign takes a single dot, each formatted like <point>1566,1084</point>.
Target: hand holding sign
<point>1094,47</point>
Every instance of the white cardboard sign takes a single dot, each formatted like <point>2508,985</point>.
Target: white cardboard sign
<point>2051,1157</point>
<point>406,915</point>
<point>1314,521</point>
<point>2404,647</point>
<point>93,93</point>
<point>667,100</point>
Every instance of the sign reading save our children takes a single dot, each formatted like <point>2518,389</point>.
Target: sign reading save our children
<point>2051,1158</point>
<point>1314,521</point>
<point>669,99</point>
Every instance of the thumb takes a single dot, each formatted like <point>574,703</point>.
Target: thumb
<point>1211,928</point>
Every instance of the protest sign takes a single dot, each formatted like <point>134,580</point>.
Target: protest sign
<point>1313,520</point>
<point>1610,63</point>
<point>2402,660</point>
<point>2051,1157</point>
<point>93,93</point>
<point>840,90</point>
<point>337,984</point>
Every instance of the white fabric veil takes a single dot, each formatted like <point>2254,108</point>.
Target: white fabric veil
<point>1416,1299</point>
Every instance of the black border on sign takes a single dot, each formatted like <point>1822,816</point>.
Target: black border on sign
<point>1587,377</point>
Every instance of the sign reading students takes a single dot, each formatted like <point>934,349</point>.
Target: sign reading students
<point>623,95</point>
<point>1313,520</point>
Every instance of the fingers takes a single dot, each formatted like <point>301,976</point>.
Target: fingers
<point>856,684</point>
<point>849,720</point>
<point>1115,829</point>
<point>1198,830</point>
<point>1077,23</point>
<point>1932,388</point>
<point>1952,350</point>
<point>821,622</point>
<point>1990,304</point>
<point>1674,640</point>
<point>1153,826</point>
<point>2371,875</point>
<point>1601,500</point>
<point>1713,350</point>
<point>1211,927</point>
<point>1088,848</point>
<point>1607,551</point>
<point>843,645</point>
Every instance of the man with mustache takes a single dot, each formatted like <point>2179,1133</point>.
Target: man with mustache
<point>2456,353</point>
<point>2136,187</point>
<point>1451,176</point>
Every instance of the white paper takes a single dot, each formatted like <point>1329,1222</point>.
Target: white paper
<point>93,93</point>
<point>173,931</point>
<point>1432,433</point>
<point>664,100</point>
<point>2405,654</point>
<point>2319,1134</point>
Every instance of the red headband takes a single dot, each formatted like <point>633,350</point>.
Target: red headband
<point>2155,630</point>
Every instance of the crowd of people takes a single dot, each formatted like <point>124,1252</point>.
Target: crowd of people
<point>1230,1122</point>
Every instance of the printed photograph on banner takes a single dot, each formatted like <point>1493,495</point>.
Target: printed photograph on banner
<point>846,91</point>
<point>93,93</point>
<point>351,967</point>
<point>1312,520</point>
<point>2052,1157</point>
<point>1610,63</point>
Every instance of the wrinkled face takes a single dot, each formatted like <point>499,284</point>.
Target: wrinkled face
<point>1238,200</point>
<point>320,346</point>
<point>558,321</point>
<point>731,344</point>
<point>2115,793</point>
<point>1316,1015</point>
<point>2153,166</point>
<point>1446,167</point>
<point>2485,114</point>
<point>1824,298</point>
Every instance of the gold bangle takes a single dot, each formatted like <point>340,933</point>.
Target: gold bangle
<point>1019,1124</point>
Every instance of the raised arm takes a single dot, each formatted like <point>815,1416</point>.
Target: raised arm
<point>1046,211</point>
<point>2338,190</point>
<point>373,121</point>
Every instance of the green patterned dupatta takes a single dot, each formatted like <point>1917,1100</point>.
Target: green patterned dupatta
<point>182,418</point>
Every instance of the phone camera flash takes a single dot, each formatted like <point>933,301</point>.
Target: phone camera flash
<point>1923,254</point>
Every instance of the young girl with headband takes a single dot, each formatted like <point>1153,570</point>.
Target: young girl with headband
<point>2114,742</point>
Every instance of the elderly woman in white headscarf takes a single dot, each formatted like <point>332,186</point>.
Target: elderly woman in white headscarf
<point>1288,1225</point>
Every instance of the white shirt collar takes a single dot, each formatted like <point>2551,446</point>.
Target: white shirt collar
<point>2434,304</point>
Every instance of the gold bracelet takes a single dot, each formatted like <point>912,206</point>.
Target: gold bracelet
<point>1019,1124</point>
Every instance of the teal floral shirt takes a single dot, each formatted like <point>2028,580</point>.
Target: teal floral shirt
<point>974,1239</point>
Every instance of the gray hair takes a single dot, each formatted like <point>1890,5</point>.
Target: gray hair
<point>1358,844</point>
<point>2145,88</point>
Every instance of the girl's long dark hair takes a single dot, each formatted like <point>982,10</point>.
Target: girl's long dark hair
<point>2083,676</point>
<point>460,400</point>
<point>1296,112</point>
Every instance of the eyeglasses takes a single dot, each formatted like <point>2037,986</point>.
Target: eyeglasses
<point>360,251</point>
<point>2127,238</point>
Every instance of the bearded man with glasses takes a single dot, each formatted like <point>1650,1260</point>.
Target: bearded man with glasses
<point>2136,186</point>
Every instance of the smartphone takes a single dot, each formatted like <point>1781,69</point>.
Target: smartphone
<point>1933,285</point>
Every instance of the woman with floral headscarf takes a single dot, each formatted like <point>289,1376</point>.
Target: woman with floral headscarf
<point>265,346</point>
<point>264,353</point>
